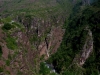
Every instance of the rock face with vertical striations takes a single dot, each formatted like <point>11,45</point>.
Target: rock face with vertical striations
<point>87,48</point>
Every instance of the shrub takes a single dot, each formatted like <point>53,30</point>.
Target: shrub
<point>11,43</point>
<point>0,51</point>
<point>7,26</point>
<point>7,62</point>
<point>1,69</point>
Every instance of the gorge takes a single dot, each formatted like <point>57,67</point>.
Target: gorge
<point>49,37</point>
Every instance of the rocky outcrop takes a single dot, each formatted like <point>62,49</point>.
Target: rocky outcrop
<point>36,38</point>
<point>52,42</point>
<point>87,48</point>
<point>45,35</point>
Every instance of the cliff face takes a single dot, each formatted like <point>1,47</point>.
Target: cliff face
<point>87,48</point>
<point>44,34</point>
<point>37,38</point>
<point>32,37</point>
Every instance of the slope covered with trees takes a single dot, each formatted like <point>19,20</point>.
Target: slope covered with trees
<point>74,40</point>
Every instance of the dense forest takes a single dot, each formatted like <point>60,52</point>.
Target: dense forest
<point>74,40</point>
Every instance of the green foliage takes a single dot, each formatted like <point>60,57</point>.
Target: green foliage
<point>9,57</point>
<point>7,72</point>
<point>19,73</point>
<point>35,38</point>
<point>0,20</point>
<point>92,65</point>
<point>28,19</point>
<point>0,51</point>
<point>6,20</point>
<point>73,42</point>
<point>44,70</point>
<point>16,24</point>
<point>68,73</point>
<point>7,26</point>
<point>8,62</point>
<point>11,42</point>
<point>1,69</point>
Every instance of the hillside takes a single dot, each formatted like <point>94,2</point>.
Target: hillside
<point>79,50</point>
<point>38,8</point>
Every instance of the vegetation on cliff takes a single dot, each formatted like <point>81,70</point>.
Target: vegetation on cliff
<point>73,41</point>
